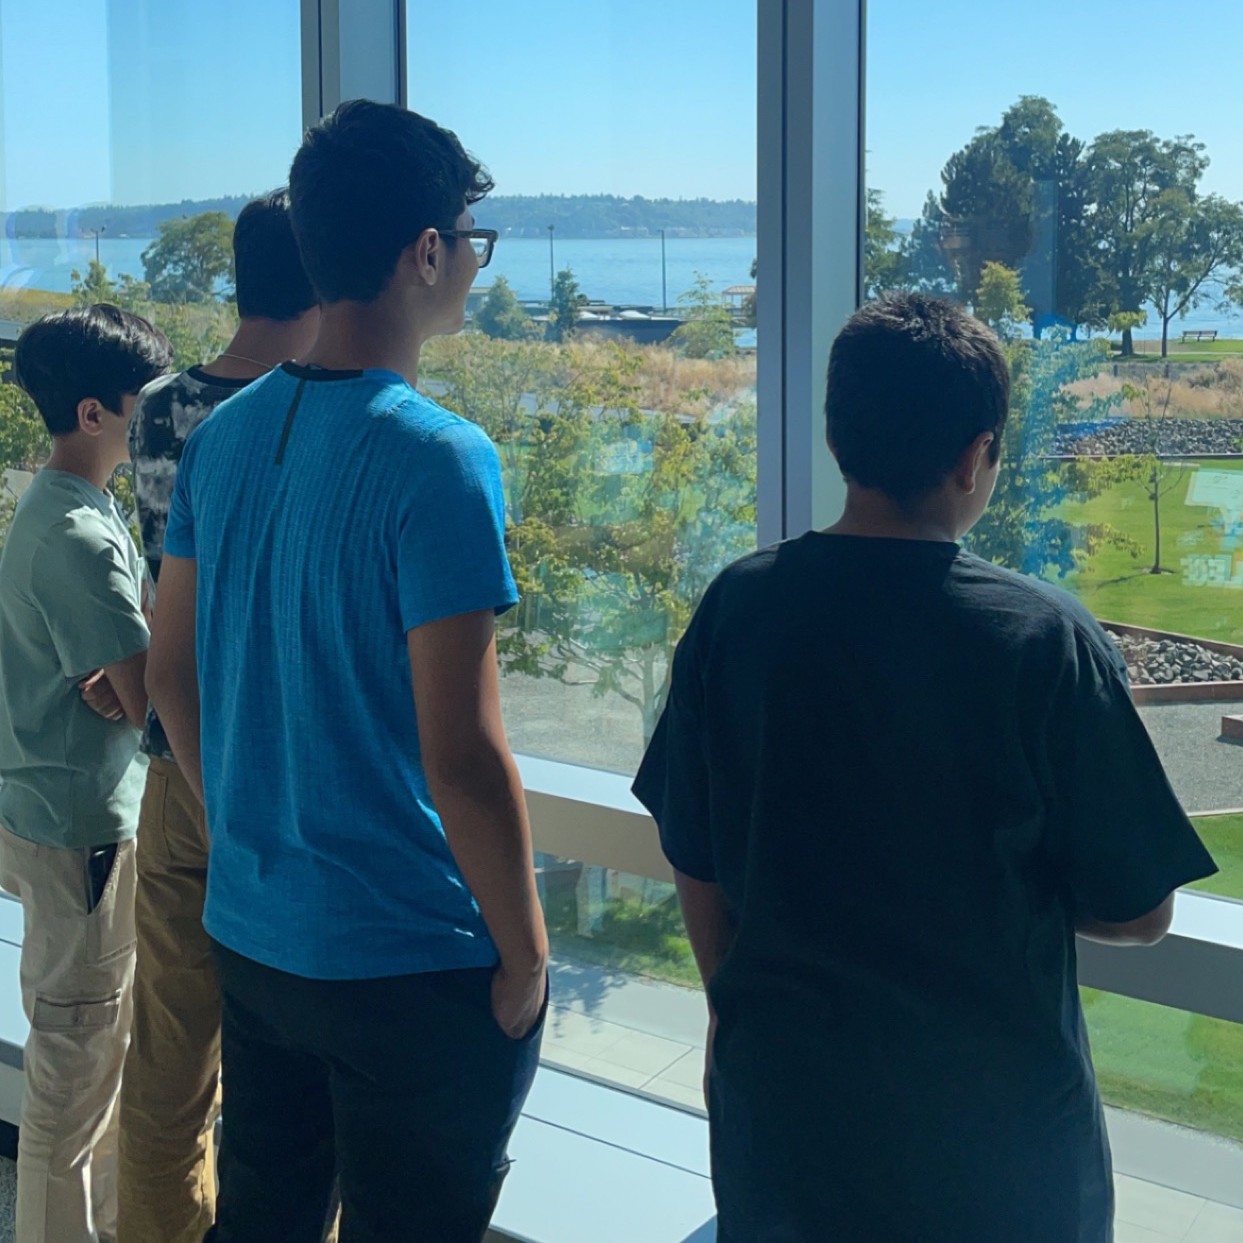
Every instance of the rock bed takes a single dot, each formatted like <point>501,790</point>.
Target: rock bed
<point>1157,662</point>
<point>1176,437</point>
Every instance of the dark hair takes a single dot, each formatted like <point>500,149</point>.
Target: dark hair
<point>364,184</point>
<point>271,281</point>
<point>913,380</point>
<point>91,351</point>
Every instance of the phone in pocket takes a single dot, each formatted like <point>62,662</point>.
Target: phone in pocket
<point>99,861</point>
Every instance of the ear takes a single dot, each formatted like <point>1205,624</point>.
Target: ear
<point>425,257</point>
<point>91,416</point>
<point>974,462</point>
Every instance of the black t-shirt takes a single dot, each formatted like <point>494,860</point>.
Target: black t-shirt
<point>908,770</point>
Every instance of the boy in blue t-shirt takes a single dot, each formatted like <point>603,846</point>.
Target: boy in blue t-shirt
<point>324,665</point>
<point>894,781</point>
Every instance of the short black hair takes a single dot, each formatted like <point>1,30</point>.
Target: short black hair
<point>365,183</point>
<point>913,380</point>
<point>271,281</point>
<point>95,351</point>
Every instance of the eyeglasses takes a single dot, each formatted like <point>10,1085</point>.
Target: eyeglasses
<point>481,241</point>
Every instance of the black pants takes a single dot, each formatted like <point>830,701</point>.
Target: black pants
<point>404,1088</point>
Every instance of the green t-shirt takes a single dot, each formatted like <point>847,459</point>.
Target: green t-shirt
<point>70,603</point>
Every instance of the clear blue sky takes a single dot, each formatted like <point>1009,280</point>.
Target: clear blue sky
<point>937,71</point>
<point>159,100</point>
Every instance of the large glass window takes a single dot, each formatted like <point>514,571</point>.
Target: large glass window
<point>131,135</point>
<point>611,351</point>
<point>1099,229</point>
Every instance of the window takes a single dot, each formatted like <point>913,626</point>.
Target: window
<point>611,351</point>
<point>1100,232</point>
<point>133,134</point>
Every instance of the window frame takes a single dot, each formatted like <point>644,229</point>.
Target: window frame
<point>810,224</point>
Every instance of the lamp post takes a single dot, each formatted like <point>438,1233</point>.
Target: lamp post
<point>552,264</point>
<point>664,287</point>
<point>103,228</point>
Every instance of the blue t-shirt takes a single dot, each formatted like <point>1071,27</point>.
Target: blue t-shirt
<point>329,513</point>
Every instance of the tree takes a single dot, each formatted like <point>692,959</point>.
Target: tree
<point>882,251</point>
<point>1025,527</point>
<point>987,203</point>
<point>617,517</point>
<point>925,266</point>
<point>563,308</point>
<point>190,258</point>
<point>707,330</point>
<point>1153,399</point>
<point>499,315</point>
<point>95,286</point>
<point>1017,195</point>
<point>999,301</point>
<point>1129,174</point>
<point>1196,244</point>
<point>24,444</point>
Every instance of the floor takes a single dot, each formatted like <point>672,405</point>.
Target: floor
<point>1146,1214</point>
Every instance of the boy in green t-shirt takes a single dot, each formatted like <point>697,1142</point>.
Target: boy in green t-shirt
<point>73,646</point>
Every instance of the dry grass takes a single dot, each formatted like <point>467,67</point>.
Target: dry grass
<point>27,305</point>
<point>1214,391</point>
<point>668,381</point>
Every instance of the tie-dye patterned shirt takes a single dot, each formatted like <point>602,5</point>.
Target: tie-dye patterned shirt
<point>167,412</point>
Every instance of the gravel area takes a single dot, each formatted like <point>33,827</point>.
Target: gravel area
<point>1175,437</point>
<point>1206,773</point>
<point>1154,662</point>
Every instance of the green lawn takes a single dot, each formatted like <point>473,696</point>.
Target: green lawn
<point>1223,835</point>
<point>1192,352</point>
<point>1118,586</point>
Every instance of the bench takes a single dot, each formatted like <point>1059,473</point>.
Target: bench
<point>1199,334</point>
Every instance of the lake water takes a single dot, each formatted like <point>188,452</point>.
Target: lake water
<point>611,270</point>
<point>616,270</point>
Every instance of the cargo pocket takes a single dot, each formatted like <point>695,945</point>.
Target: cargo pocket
<point>110,926</point>
<point>75,1016</point>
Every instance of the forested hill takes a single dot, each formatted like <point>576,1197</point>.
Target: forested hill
<point>573,215</point>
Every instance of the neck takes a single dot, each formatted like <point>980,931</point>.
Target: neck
<point>872,513</point>
<point>257,346</point>
<point>75,458</point>
<point>354,336</point>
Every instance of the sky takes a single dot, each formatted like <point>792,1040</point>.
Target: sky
<point>935,72</point>
<point>136,101</point>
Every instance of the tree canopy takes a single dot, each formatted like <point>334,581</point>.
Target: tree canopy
<point>191,258</point>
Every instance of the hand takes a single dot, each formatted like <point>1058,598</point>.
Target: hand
<point>517,998</point>
<point>98,695</point>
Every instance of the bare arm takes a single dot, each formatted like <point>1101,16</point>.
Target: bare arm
<point>710,928</point>
<point>1147,930</point>
<point>172,667</point>
<point>477,792</point>
<point>126,678</point>
<point>708,922</point>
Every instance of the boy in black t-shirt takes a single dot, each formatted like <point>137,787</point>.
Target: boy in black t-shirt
<point>894,781</point>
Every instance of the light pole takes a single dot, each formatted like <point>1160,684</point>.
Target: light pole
<point>103,228</point>
<point>552,264</point>
<point>664,288</point>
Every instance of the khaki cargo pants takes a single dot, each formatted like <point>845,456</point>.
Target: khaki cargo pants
<point>170,1096</point>
<point>77,969</point>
